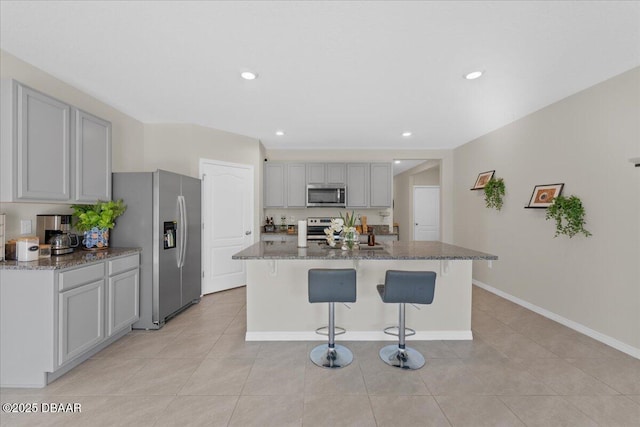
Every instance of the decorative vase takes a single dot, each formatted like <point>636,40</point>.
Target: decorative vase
<point>96,239</point>
<point>350,238</point>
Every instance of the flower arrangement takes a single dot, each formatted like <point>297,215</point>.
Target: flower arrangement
<point>96,220</point>
<point>346,226</point>
<point>102,214</point>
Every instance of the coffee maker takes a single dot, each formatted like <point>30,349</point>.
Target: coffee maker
<point>54,230</point>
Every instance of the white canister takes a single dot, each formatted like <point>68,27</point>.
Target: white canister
<point>27,248</point>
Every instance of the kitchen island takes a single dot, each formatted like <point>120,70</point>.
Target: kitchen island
<point>278,307</point>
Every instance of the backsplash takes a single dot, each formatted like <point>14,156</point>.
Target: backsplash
<point>28,211</point>
<point>292,216</point>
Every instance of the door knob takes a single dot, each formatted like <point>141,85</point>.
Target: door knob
<point>247,232</point>
<point>416,223</point>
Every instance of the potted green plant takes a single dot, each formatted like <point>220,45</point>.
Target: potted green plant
<point>568,213</point>
<point>96,220</point>
<point>493,193</point>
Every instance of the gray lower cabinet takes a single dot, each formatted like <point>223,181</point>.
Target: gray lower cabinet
<point>60,318</point>
<point>38,160</point>
<point>81,323</point>
<point>123,296</point>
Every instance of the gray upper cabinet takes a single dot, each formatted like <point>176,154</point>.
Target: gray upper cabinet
<point>274,185</point>
<point>92,155</point>
<point>336,173</point>
<point>357,185</point>
<point>381,184</point>
<point>296,188</point>
<point>326,173</point>
<point>316,173</point>
<point>39,161</point>
<point>369,185</point>
<point>35,145</point>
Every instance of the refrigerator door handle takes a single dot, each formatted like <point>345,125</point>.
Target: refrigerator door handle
<point>183,230</point>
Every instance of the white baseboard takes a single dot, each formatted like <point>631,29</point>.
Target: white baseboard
<point>356,336</point>
<point>618,345</point>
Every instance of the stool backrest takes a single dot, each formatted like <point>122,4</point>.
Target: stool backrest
<point>332,285</point>
<point>414,287</point>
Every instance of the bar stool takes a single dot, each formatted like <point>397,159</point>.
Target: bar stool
<point>331,285</point>
<point>401,287</point>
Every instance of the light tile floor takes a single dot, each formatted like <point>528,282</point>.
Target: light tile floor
<point>521,369</point>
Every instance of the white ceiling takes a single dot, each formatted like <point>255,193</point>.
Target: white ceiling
<point>331,74</point>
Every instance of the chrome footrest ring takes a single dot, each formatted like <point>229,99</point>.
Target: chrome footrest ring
<point>407,331</point>
<point>324,330</point>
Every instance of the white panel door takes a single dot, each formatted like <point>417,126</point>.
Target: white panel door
<point>227,212</point>
<point>426,213</point>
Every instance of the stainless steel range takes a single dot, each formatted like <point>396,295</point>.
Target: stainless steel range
<point>316,226</point>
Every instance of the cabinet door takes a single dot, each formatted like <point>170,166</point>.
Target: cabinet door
<point>123,303</point>
<point>296,188</point>
<point>81,322</point>
<point>381,182</point>
<point>42,167</point>
<point>357,185</point>
<point>92,166</point>
<point>336,173</point>
<point>274,185</point>
<point>316,173</point>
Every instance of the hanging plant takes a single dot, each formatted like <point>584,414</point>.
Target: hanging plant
<point>568,213</point>
<point>493,193</point>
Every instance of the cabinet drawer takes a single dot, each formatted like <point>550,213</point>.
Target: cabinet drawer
<point>123,264</point>
<point>79,276</point>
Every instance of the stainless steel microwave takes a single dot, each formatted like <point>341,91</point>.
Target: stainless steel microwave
<point>326,195</point>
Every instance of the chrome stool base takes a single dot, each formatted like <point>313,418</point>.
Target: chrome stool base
<point>338,357</point>
<point>406,358</point>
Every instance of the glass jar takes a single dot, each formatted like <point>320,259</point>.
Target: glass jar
<point>350,238</point>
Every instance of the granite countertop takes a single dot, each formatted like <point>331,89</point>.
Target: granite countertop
<point>387,251</point>
<point>78,257</point>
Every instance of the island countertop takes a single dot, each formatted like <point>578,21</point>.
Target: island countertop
<point>410,250</point>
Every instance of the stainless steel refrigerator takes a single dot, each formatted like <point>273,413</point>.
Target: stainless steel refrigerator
<point>162,218</point>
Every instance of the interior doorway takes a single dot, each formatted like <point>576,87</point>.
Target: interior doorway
<point>227,216</point>
<point>426,212</point>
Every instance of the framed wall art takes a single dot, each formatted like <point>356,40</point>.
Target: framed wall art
<point>543,195</point>
<point>482,180</point>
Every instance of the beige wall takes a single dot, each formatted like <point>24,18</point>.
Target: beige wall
<point>445,158</point>
<point>584,141</point>
<point>179,147</point>
<point>427,173</point>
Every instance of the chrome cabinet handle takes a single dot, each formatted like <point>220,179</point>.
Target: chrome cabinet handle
<point>247,233</point>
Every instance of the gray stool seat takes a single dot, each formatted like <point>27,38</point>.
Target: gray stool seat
<point>331,286</point>
<point>402,287</point>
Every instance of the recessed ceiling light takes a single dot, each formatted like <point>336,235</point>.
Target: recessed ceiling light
<point>248,75</point>
<point>473,75</point>
<point>406,134</point>
<point>279,133</point>
<point>397,162</point>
